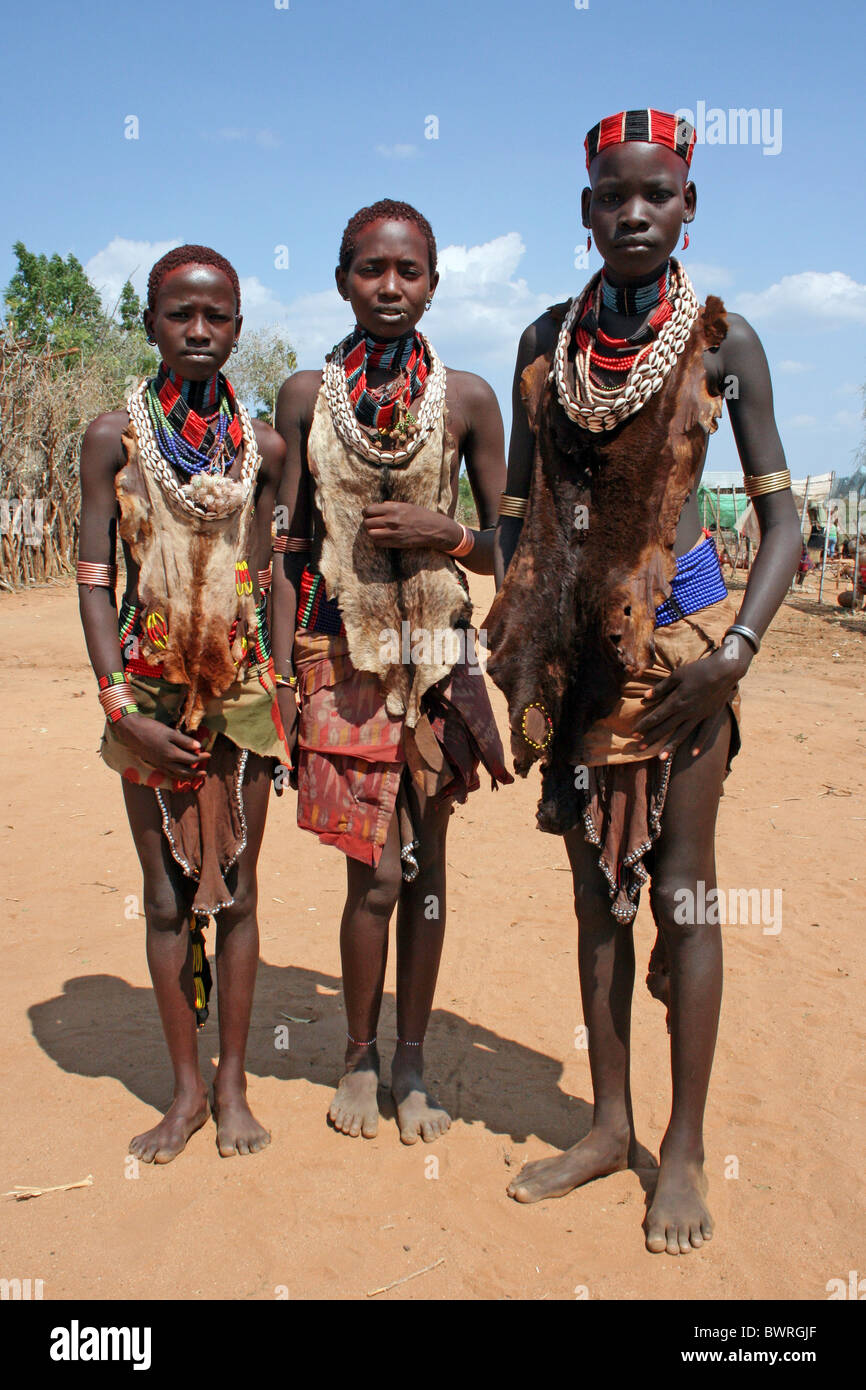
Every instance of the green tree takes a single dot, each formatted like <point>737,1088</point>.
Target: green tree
<point>129,308</point>
<point>265,358</point>
<point>50,302</point>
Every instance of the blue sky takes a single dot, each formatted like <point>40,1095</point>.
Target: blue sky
<point>261,127</point>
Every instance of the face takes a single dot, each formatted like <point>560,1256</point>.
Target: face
<point>636,206</point>
<point>388,282</point>
<point>195,323</point>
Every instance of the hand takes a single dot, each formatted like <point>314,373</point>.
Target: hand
<point>166,749</point>
<point>692,701</point>
<point>289,714</point>
<point>402,526</point>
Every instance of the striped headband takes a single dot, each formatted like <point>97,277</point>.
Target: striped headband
<point>651,127</point>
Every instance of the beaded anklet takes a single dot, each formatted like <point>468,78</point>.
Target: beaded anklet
<point>355,1043</point>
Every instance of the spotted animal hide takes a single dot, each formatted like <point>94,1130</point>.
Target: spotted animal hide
<point>187,579</point>
<point>380,590</point>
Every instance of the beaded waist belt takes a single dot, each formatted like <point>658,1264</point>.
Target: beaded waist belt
<point>697,583</point>
<point>130,630</point>
<point>317,612</point>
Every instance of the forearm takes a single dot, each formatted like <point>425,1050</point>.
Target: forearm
<point>507,535</point>
<point>771,573</point>
<point>285,586</point>
<point>480,558</point>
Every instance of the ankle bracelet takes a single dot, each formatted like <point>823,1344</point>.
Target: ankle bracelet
<point>404,1042</point>
<point>355,1043</point>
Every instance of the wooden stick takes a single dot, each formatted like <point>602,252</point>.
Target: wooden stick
<point>406,1277</point>
<point>21,1194</point>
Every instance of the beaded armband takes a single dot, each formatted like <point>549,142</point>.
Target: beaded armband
<point>96,576</point>
<point>290,681</point>
<point>767,482</point>
<point>116,696</point>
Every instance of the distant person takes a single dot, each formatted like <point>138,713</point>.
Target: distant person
<point>804,566</point>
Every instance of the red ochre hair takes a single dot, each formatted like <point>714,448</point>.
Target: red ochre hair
<point>385,210</point>
<point>190,255</point>
<point>647,125</point>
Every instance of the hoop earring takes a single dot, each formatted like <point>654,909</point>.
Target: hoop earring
<point>235,348</point>
<point>685,245</point>
<point>429,304</point>
<point>152,341</point>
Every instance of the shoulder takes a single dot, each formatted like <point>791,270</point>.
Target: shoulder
<point>468,391</point>
<point>741,345</point>
<point>540,337</point>
<point>102,438</point>
<point>740,331</point>
<point>297,395</point>
<point>271,446</point>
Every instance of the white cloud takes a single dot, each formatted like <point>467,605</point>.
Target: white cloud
<point>707,278</point>
<point>397,151</point>
<point>801,422</point>
<point>481,306</point>
<point>313,322</point>
<point>825,298</point>
<point>791,368</point>
<point>847,420</point>
<point>123,260</point>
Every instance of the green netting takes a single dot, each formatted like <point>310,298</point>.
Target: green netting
<point>729,505</point>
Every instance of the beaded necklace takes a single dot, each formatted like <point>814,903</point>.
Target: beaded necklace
<point>196,423</point>
<point>631,300</point>
<point>409,434</point>
<point>638,373</point>
<point>385,408</point>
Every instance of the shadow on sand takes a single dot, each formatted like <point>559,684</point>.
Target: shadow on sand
<point>102,1026</point>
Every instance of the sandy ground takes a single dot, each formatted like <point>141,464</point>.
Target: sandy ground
<point>319,1215</point>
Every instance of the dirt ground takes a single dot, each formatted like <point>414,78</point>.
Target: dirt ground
<point>320,1215</point>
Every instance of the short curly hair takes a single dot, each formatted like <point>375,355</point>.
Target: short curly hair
<point>385,210</point>
<point>190,255</point>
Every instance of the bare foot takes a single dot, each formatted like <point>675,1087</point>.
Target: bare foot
<point>165,1141</point>
<point>238,1130</point>
<point>678,1220</point>
<point>600,1153</point>
<point>355,1107</point>
<point>419,1115</point>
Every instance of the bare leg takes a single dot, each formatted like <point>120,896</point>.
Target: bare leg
<point>370,900</point>
<point>169,958</point>
<point>420,934</point>
<point>237,959</point>
<point>606,964</point>
<point>678,1219</point>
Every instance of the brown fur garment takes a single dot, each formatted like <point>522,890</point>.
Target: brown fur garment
<point>186,573</point>
<point>380,589</point>
<point>576,612</point>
